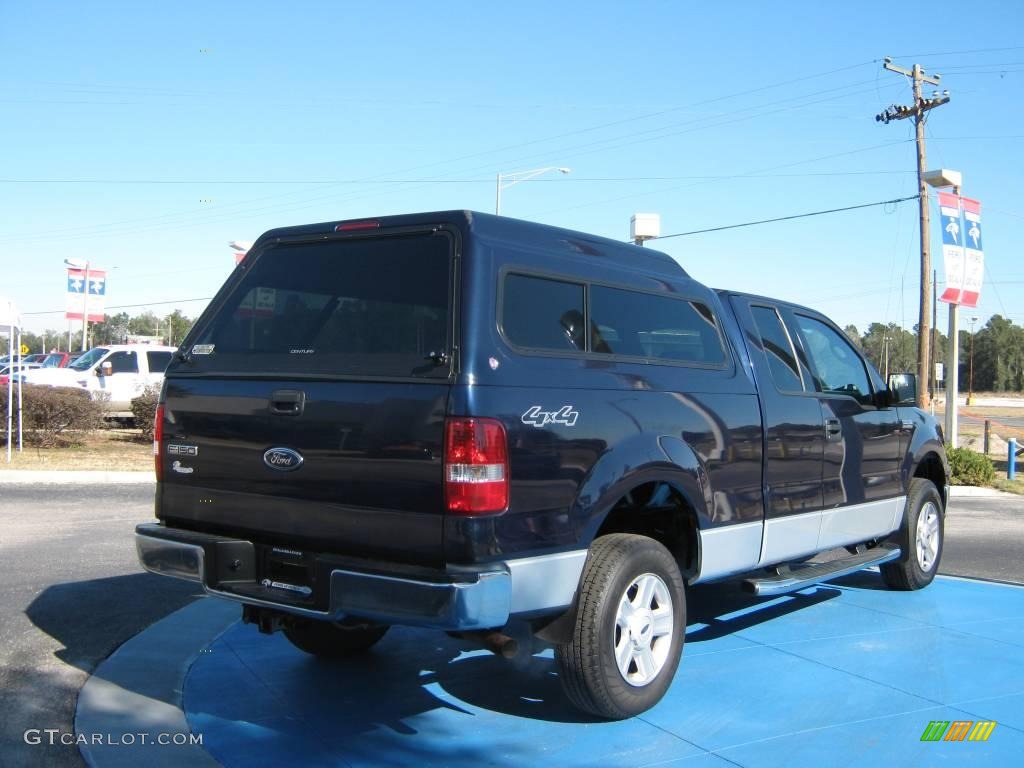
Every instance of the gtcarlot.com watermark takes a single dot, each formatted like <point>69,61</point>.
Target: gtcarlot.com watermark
<point>55,736</point>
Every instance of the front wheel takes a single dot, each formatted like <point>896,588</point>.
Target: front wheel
<point>333,640</point>
<point>630,623</point>
<point>920,537</point>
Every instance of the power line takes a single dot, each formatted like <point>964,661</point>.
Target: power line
<point>957,53</point>
<point>489,180</point>
<point>788,218</point>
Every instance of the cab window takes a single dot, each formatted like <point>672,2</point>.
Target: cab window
<point>836,366</point>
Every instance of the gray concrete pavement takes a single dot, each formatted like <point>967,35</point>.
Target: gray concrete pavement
<point>71,591</point>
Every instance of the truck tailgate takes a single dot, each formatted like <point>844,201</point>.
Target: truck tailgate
<point>365,475</point>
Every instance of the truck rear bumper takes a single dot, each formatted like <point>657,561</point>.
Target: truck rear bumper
<point>459,600</point>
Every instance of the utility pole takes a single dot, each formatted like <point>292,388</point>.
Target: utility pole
<point>917,111</point>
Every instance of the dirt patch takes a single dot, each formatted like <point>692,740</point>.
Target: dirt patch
<point>103,449</point>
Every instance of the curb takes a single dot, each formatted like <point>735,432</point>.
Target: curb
<point>968,491</point>
<point>137,692</point>
<point>73,477</point>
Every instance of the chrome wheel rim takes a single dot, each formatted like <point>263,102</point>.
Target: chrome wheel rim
<point>928,536</point>
<point>643,630</point>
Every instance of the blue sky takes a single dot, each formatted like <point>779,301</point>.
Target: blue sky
<point>710,114</point>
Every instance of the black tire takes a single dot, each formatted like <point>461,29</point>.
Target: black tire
<point>917,565</point>
<point>587,663</point>
<point>334,640</point>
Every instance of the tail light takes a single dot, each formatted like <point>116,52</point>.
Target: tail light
<point>475,466</point>
<point>158,437</point>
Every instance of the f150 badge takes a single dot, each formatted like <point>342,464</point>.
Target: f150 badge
<point>535,417</point>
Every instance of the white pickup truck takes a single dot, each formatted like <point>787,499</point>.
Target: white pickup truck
<point>114,373</point>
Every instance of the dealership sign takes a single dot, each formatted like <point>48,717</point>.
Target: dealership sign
<point>962,252</point>
<point>86,294</point>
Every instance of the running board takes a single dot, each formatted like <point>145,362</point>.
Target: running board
<point>798,576</point>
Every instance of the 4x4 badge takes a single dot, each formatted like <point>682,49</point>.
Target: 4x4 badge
<point>535,417</point>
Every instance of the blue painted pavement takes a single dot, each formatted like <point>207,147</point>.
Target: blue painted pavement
<point>847,674</point>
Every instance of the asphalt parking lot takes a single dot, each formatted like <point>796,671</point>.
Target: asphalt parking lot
<point>72,592</point>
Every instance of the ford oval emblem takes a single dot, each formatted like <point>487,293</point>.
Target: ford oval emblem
<point>282,459</point>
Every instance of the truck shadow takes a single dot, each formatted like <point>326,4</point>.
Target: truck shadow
<point>721,609</point>
<point>93,617</point>
<point>419,673</point>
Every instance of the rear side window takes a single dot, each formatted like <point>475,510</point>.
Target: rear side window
<point>123,362</point>
<point>158,361</point>
<point>778,349</point>
<point>376,307</point>
<point>659,327</point>
<point>540,313</point>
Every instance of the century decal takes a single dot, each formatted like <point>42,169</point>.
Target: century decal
<point>535,417</point>
<point>958,730</point>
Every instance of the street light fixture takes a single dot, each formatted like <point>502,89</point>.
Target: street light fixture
<point>506,180</point>
<point>946,178</point>
<point>80,264</point>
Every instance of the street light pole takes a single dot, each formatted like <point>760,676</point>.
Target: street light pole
<point>970,380</point>
<point>506,180</point>
<point>954,179</point>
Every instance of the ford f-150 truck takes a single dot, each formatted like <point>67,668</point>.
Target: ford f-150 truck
<point>456,420</point>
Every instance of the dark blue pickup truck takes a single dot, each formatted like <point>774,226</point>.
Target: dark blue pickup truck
<point>456,420</point>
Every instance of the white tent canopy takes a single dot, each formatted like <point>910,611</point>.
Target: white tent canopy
<point>10,326</point>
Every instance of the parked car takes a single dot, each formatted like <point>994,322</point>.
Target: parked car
<point>113,374</point>
<point>38,357</point>
<point>456,420</point>
<point>13,369</point>
<point>57,360</point>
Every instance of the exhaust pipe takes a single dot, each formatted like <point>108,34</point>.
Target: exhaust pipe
<point>493,640</point>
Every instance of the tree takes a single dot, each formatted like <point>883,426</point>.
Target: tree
<point>111,330</point>
<point>145,324</point>
<point>854,335</point>
<point>177,326</point>
<point>998,356</point>
<point>901,346</point>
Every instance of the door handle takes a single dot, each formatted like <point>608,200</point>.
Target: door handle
<point>833,429</point>
<point>287,402</point>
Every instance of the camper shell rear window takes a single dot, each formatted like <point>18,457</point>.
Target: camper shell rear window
<point>344,306</point>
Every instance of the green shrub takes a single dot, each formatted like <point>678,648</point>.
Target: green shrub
<point>53,416</point>
<point>969,467</point>
<point>144,410</point>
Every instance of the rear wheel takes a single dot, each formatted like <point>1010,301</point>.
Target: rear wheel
<point>920,539</point>
<point>630,622</point>
<point>332,640</point>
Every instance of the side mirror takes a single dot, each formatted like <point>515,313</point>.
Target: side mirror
<point>105,369</point>
<point>903,388</point>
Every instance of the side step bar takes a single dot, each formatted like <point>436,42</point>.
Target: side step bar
<point>792,578</point>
